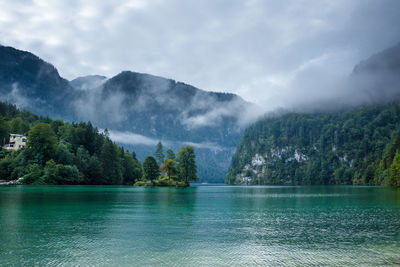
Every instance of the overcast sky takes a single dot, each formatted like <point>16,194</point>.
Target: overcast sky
<point>269,52</point>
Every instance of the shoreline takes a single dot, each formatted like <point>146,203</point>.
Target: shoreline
<point>12,182</point>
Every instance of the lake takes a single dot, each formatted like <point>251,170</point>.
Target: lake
<point>199,226</point>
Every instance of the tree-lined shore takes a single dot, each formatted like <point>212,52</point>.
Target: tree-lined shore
<point>59,152</point>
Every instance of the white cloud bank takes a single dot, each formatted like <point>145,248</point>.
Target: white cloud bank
<point>129,138</point>
<point>274,53</point>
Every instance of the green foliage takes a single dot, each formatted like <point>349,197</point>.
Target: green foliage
<point>42,142</point>
<point>159,154</point>
<point>4,130</point>
<point>187,164</point>
<point>70,153</point>
<point>394,172</point>
<point>351,147</point>
<point>111,163</point>
<point>94,171</point>
<point>132,169</point>
<point>19,126</point>
<point>170,154</point>
<point>169,167</point>
<point>34,175</point>
<point>64,154</point>
<point>6,168</point>
<point>151,169</point>
<point>143,183</point>
<point>182,184</point>
<point>164,181</point>
<point>61,174</point>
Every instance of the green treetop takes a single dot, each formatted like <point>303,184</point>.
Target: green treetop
<point>151,169</point>
<point>169,167</point>
<point>159,154</point>
<point>170,154</point>
<point>42,142</point>
<point>187,164</point>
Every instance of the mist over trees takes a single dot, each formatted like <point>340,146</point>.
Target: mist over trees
<point>353,147</point>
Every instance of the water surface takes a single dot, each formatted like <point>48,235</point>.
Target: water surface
<point>201,226</point>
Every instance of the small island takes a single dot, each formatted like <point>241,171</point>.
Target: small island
<point>178,170</point>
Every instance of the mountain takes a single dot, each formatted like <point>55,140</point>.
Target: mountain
<point>383,62</point>
<point>141,109</point>
<point>138,109</point>
<point>30,82</point>
<point>87,82</point>
<point>157,107</point>
<point>355,145</point>
<point>378,77</point>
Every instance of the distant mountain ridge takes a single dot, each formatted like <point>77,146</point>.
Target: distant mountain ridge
<point>138,109</point>
<point>378,77</point>
<point>387,60</point>
<point>87,82</point>
<point>28,81</point>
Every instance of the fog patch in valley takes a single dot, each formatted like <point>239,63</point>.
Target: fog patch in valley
<point>130,138</point>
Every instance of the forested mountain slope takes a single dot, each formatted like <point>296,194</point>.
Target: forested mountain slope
<point>352,147</point>
<point>344,144</point>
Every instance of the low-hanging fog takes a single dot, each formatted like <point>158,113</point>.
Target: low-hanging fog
<point>277,54</point>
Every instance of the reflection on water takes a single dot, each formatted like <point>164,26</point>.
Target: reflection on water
<point>205,225</point>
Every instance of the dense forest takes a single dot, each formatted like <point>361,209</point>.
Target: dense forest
<point>359,146</point>
<point>60,152</point>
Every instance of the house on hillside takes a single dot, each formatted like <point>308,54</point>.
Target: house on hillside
<point>17,142</point>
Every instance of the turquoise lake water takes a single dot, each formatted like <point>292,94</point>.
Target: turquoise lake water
<point>199,226</point>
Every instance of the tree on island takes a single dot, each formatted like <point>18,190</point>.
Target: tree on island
<point>168,167</point>
<point>170,154</point>
<point>151,169</point>
<point>187,164</point>
<point>159,154</point>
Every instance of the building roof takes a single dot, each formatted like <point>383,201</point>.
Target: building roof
<point>21,135</point>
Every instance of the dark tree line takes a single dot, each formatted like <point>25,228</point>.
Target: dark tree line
<point>359,146</point>
<point>60,152</point>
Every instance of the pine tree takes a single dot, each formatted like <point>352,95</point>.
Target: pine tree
<point>394,171</point>
<point>187,164</point>
<point>151,170</point>
<point>159,154</point>
<point>170,154</point>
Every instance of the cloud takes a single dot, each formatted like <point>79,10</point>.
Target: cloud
<point>16,97</point>
<point>214,112</point>
<point>207,145</point>
<point>91,105</point>
<point>130,138</point>
<point>273,53</point>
